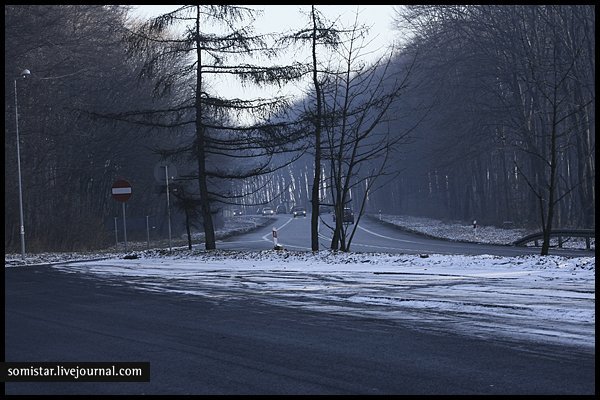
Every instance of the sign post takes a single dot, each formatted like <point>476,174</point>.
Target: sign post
<point>168,204</point>
<point>147,234</point>
<point>116,236</point>
<point>170,172</point>
<point>121,191</point>
<point>124,227</point>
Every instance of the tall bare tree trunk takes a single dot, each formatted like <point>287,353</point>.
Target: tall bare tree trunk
<point>209,230</point>
<point>314,220</point>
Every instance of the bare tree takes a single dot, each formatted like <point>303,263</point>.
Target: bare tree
<point>321,35</point>
<point>513,119</point>
<point>185,62</point>
<point>357,100</point>
<point>69,161</point>
<point>541,88</point>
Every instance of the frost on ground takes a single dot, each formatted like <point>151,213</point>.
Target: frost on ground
<point>233,226</point>
<point>545,299</point>
<point>459,231</point>
<point>236,225</point>
<point>455,230</point>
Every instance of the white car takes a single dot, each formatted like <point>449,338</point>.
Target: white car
<point>268,211</point>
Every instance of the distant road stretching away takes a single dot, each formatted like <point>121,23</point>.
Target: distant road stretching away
<point>373,237</point>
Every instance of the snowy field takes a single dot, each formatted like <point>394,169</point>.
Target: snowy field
<point>527,298</point>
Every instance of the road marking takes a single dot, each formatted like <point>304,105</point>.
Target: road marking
<point>371,246</point>
<point>266,238</point>
<point>356,243</point>
<point>386,237</point>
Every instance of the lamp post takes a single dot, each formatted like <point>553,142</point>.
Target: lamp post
<point>23,75</point>
<point>168,205</point>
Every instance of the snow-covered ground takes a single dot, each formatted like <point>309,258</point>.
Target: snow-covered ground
<point>458,231</point>
<point>547,299</point>
<point>233,226</point>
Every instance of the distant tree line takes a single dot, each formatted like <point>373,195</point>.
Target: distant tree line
<point>511,135</point>
<point>481,112</point>
<point>501,115</point>
<point>69,160</point>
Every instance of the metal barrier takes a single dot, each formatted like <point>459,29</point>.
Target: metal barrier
<point>560,234</point>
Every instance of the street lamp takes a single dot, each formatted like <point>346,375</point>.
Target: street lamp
<point>23,75</point>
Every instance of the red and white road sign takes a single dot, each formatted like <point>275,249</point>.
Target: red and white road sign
<point>121,190</point>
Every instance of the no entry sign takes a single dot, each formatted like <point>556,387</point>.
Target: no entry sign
<point>121,190</point>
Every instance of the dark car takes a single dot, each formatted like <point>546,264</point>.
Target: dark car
<point>237,213</point>
<point>281,209</point>
<point>294,209</point>
<point>348,216</point>
<point>299,212</point>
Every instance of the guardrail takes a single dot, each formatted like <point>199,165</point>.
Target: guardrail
<point>561,234</point>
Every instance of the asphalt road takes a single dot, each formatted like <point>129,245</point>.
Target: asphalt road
<point>197,346</point>
<point>372,236</point>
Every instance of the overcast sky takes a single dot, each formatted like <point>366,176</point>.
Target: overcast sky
<point>282,18</point>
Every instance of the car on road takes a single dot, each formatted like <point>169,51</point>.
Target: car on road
<point>267,211</point>
<point>281,209</point>
<point>299,212</point>
<point>237,213</point>
<point>348,216</point>
<point>294,208</point>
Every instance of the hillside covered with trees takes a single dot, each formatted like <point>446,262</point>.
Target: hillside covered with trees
<point>480,112</point>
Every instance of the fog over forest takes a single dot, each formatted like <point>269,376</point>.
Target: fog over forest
<point>487,113</point>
